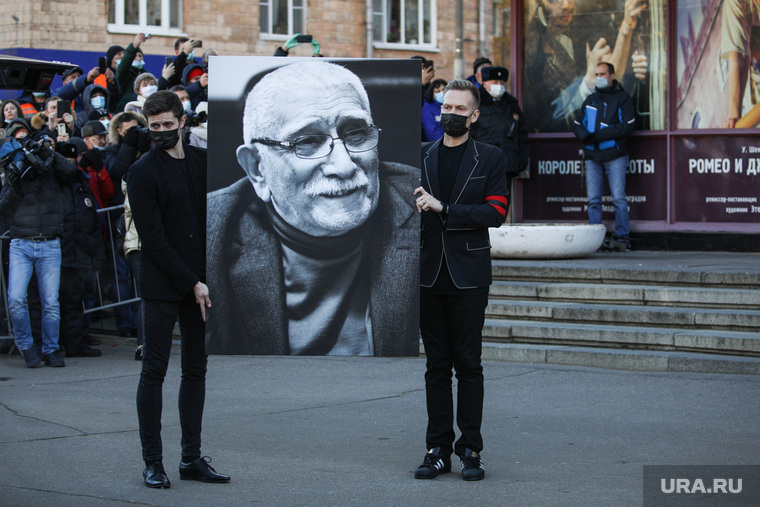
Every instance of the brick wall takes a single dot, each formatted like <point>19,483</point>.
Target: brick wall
<point>231,27</point>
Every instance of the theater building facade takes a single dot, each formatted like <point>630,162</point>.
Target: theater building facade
<point>692,68</point>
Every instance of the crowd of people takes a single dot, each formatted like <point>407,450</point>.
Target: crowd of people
<point>94,121</point>
<point>67,200</point>
<point>94,124</point>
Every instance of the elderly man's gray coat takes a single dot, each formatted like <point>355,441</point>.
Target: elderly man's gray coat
<point>245,272</point>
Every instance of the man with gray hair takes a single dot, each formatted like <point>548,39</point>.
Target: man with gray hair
<point>314,252</point>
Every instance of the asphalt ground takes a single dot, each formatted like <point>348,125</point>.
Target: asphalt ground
<point>297,431</point>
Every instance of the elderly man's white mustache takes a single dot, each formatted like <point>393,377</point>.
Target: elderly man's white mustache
<point>321,185</point>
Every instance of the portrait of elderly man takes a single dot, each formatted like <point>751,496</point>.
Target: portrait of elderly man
<point>315,251</point>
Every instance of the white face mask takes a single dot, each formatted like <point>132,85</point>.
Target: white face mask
<point>439,97</point>
<point>496,91</point>
<point>186,105</point>
<point>147,91</point>
<point>602,83</point>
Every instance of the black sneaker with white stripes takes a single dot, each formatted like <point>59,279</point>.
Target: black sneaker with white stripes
<point>472,467</point>
<point>433,464</point>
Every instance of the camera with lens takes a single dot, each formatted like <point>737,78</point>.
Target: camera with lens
<point>195,119</point>
<point>29,160</point>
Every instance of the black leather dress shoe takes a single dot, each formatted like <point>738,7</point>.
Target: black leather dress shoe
<point>155,476</point>
<point>200,470</point>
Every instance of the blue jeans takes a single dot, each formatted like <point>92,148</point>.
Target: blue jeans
<point>44,259</point>
<point>615,170</point>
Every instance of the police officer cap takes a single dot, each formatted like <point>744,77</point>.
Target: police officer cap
<point>499,73</point>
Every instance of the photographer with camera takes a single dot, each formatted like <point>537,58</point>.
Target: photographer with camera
<point>33,196</point>
<point>194,132</point>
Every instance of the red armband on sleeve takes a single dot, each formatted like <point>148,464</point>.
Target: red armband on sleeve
<point>499,202</point>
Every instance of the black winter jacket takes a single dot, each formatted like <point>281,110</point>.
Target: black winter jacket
<point>604,122</point>
<point>38,211</point>
<point>498,127</point>
<point>82,241</point>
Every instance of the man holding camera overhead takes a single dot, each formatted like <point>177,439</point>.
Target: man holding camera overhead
<point>33,195</point>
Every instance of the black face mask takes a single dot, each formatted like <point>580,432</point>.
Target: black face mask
<point>454,125</point>
<point>165,139</point>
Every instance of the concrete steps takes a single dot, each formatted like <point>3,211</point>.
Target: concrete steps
<point>662,315</point>
<point>656,316</point>
<point>629,294</point>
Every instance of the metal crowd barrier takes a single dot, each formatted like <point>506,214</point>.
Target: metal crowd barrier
<point>112,250</point>
<point>111,255</point>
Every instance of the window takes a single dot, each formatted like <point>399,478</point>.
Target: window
<point>282,17</point>
<point>152,16</point>
<point>408,22</point>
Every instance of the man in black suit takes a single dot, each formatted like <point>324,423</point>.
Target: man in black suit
<point>167,192</point>
<point>314,252</point>
<point>463,193</point>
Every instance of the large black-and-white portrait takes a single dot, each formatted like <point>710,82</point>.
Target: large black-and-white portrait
<point>313,236</point>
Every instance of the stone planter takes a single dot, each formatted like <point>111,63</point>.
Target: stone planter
<point>545,241</point>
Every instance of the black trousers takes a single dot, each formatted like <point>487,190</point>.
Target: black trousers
<point>76,283</point>
<point>134,265</point>
<point>451,328</point>
<point>158,323</point>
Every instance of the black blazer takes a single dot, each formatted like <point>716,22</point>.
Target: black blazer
<point>479,201</point>
<point>173,250</point>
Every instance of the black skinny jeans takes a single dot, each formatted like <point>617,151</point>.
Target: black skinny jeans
<point>451,328</point>
<point>158,324</point>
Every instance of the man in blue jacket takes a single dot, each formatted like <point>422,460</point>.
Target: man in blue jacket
<point>463,193</point>
<point>603,124</point>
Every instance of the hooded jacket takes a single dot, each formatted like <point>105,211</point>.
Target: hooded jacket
<point>196,92</point>
<point>74,90</point>
<point>88,108</point>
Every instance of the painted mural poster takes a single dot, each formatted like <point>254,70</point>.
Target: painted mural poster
<point>718,64</point>
<point>565,40</point>
<point>313,236</point>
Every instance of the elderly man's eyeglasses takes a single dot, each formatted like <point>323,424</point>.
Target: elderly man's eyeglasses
<point>321,145</point>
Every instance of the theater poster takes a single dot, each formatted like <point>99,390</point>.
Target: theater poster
<point>556,190</point>
<point>312,231</point>
<point>718,66</point>
<point>558,75</point>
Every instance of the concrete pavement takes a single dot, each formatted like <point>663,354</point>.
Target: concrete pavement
<point>349,431</point>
